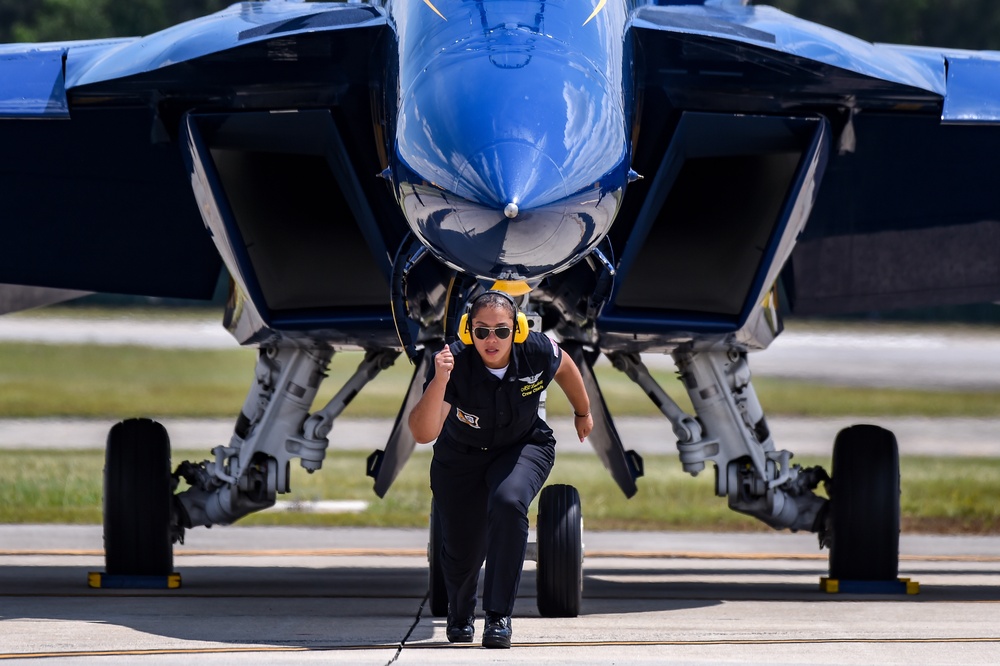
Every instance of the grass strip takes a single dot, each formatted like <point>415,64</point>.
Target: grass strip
<point>94,381</point>
<point>939,495</point>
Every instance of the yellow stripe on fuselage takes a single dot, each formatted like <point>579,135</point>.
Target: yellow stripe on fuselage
<point>435,9</point>
<point>600,6</point>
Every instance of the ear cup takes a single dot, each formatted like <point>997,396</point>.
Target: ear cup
<point>521,328</point>
<point>464,333</point>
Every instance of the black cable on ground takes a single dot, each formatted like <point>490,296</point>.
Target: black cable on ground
<point>416,621</point>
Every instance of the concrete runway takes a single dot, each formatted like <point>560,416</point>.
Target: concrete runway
<point>258,595</point>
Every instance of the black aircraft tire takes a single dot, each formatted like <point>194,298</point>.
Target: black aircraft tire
<point>436,590</point>
<point>559,574</point>
<point>864,501</point>
<point>137,500</point>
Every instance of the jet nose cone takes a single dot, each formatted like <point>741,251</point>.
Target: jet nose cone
<point>512,176</point>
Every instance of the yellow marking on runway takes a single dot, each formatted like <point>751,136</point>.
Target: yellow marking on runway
<point>554,644</point>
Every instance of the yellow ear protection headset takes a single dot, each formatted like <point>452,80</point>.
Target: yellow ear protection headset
<point>520,319</point>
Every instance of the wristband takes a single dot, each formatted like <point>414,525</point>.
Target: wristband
<point>580,416</point>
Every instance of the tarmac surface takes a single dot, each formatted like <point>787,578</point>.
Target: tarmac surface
<point>276,595</point>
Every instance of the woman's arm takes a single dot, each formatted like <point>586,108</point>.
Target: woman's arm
<point>428,415</point>
<point>571,382</point>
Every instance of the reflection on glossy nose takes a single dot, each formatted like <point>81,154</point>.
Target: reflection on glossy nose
<point>513,176</point>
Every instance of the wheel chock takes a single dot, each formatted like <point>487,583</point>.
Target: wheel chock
<point>99,579</point>
<point>898,586</point>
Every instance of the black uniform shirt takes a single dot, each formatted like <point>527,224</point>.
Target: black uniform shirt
<point>487,412</point>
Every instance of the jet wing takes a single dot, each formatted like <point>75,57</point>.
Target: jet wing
<point>905,213</point>
<point>95,190</point>
<point>910,216</point>
<point>32,80</point>
<point>90,203</point>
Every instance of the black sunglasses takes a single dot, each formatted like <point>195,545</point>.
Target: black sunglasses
<point>483,332</point>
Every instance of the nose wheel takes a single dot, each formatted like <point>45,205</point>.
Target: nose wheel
<point>558,553</point>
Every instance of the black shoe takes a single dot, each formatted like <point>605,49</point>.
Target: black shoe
<point>461,631</point>
<point>497,631</point>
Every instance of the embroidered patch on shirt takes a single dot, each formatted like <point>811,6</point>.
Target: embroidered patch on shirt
<point>531,389</point>
<point>470,420</point>
<point>531,385</point>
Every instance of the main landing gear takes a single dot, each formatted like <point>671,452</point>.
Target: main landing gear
<point>860,520</point>
<point>143,517</point>
<point>558,553</point>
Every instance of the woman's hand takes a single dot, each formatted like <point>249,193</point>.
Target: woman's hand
<point>428,416</point>
<point>444,363</point>
<point>584,424</point>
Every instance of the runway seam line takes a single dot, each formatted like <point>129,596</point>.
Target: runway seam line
<point>415,552</point>
<point>439,645</point>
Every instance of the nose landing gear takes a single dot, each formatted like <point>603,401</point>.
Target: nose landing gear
<point>558,553</point>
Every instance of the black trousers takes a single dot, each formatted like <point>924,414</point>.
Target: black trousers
<point>482,500</point>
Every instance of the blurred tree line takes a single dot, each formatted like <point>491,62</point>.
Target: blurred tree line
<point>59,20</point>
<point>971,24</point>
<point>966,24</point>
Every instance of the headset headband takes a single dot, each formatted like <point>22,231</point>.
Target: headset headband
<point>504,294</point>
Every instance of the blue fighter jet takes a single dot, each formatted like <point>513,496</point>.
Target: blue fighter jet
<point>643,177</point>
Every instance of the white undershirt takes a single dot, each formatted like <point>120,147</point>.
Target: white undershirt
<point>498,372</point>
